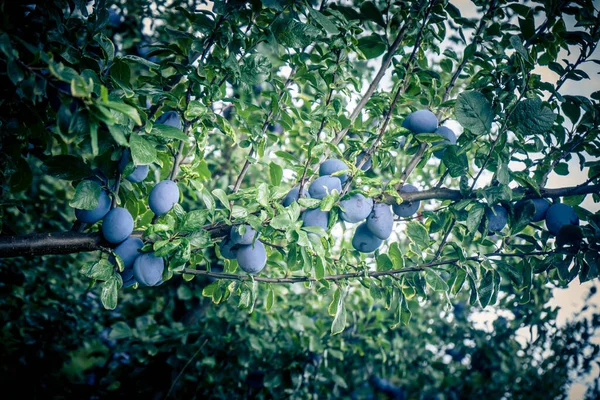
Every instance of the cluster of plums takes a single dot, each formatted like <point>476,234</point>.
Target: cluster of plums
<point>243,245</point>
<point>118,224</point>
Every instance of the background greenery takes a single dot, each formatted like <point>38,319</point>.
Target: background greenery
<point>78,79</point>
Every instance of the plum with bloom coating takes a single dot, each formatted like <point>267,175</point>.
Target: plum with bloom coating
<point>148,269</point>
<point>560,215</point>
<point>252,258</point>
<point>163,197</point>
<point>407,208</point>
<point>364,241</point>
<point>117,225</point>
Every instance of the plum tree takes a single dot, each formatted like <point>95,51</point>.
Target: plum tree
<point>163,197</point>
<point>292,195</point>
<point>540,206</point>
<point>117,225</point>
<point>140,172</point>
<point>252,258</point>
<point>407,208</point>
<point>421,121</point>
<point>497,217</point>
<point>324,185</point>
<point>95,215</point>
<point>337,79</point>
<point>364,240</point>
<point>332,165</point>
<point>355,208</point>
<point>128,250</point>
<point>381,221</point>
<point>315,217</point>
<point>246,238</point>
<point>170,118</point>
<point>560,215</point>
<point>450,139</point>
<point>148,269</point>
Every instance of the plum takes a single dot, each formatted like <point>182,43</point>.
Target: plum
<point>541,207</point>
<point>252,258</point>
<point>356,208</point>
<point>227,249</point>
<point>128,278</point>
<point>497,218</point>
<point>381,221</point>
<point>276,128</point>
<point>422,121</point>
<point>407,208</point>
<point>170,118</point>
<point>364,241</point>
<point>367,165</point>
<point>324,185</point>
<point>559,215</point>
<point>163,197</point>
<point>450,139</point>
<point>292,195</point>
<point>140,172</point>
<point>148,269</point>
<point>333,165</point>
<point>245,239</point>
<point>315,217</point>
<point>128,250</point>
<point>117,225</point>
<point>95,215</point>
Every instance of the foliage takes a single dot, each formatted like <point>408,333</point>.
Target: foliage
<point>81,83</point>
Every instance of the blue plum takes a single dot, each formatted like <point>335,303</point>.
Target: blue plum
<point>170,118</point>
<point>276,128</point>
<point>163,197</point>
<point>407,208</point>
<point>560,215</point>
<point>128,278</point>
<point>140,172</point>
<point>292,195</point>
<point>148,269</point>
<point>324,185</point>
<point>367,165</point>
<point>450,139</point>
<point>252,258</point>
<point>356,208</point>
<point>117,225</point>
<point>422,121</point>
<point>364,241</point>
<point>541,207</point>
<point>227,249</point>
<point>128,250</point>
<point>333,165</point>
<point>315,217</point>
<point>95,215</point>
<point>245,239</point>
<point>497,218</point>
<point>381,221</point>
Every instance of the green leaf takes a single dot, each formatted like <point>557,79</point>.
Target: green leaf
<point>141,61</point>
<point>384,263</point>
<point>474,218</point>
<point>323,21</point>
<point>294,34</point>
<point>118,134</point>
<point>486,289</point>
<point>126,109</point>
<point>457,164</point>
<point>222,196</point>
<point>319,266</point>
<point>396,255</point>
<point>142,151</point>
<point>339,321</point>
<point>369,11</point>
<point>66,167</point>
<point>86,195</point>
<point>195,109</point>
<point>120,330</point>
<point>531,117</point>
<point>107,46</point>
<point>270,298</point>
<point>103,270</point>
<point>168,131</point>
<point>435,281</point>
<point>418,234</point>
<point>262,195</point>
<point>275,174</point>
<point>110,292</point>
<point>372,46</point>
<point>474,112</point>
<point>193,221</point>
